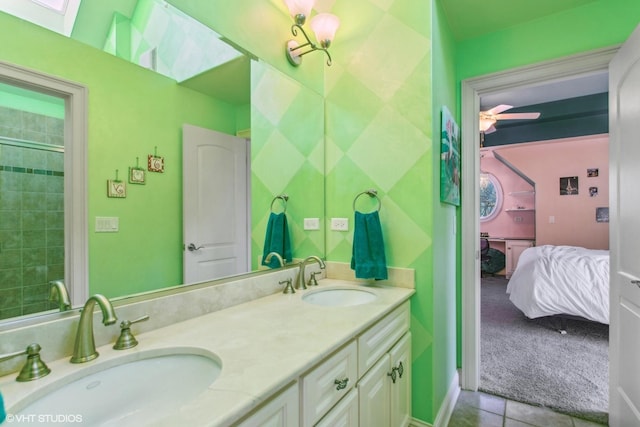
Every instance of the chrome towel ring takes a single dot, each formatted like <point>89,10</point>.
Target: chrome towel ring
<point>284,199</point>
<point>371,193</point>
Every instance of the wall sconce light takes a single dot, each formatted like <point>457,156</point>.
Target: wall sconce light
<point>324,25</point>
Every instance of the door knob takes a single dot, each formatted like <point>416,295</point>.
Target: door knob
<point>193,247</point>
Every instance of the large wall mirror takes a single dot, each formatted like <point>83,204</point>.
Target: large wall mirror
<point>134,111</point>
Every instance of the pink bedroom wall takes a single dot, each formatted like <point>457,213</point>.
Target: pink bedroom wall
<point>574,216</point>
<point>504,225</point>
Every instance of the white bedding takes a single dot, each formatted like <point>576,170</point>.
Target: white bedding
<point>550,280</point>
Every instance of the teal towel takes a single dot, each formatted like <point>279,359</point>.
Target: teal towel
<point>3,414</point>
<point>368,258</point>
<point>277,239</point>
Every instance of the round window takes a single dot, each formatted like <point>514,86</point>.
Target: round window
<point>490,196</point>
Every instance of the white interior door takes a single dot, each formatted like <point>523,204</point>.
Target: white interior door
<point>215,204</point>
<point>624,206</point>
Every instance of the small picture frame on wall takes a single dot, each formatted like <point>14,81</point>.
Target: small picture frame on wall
<point>116,189</point>
<point>568,185</point>
<point>592,172</point>
<point>602,214</point>
<point>155,163</point>
<point>136,176</point>
<point>593,191</point>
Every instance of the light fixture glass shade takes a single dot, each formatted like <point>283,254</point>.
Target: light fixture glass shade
<point>325,25</point>
<point>298,8</point>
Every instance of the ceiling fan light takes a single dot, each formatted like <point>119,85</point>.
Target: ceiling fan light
<point>486,123</point>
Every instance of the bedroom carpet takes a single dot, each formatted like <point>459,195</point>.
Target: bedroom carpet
<point>530,362</point>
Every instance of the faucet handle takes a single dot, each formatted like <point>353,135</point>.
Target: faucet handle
<point>34,368</point>
<point>312,279</point>
<point>126,339</point>
<point>288,288</point>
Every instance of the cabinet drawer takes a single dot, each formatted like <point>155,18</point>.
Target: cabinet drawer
<point>320,388</point>
<point>344,414</point>
<point>378,339</point>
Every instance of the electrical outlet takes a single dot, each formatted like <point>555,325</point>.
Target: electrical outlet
<point>340,224</point>
<point>552,219</point>
<point>517,219</point>
<point>312,223</point>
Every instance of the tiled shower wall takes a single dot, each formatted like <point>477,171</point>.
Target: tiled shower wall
<point>31,211</point>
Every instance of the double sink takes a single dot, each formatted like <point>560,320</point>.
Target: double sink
<point>144,386</point>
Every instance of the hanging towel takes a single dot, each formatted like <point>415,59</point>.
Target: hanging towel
<point>368,258</point>
<point>277,239</point>
<point>3,414</point>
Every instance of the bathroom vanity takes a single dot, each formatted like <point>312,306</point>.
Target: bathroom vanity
<point>336,353</point>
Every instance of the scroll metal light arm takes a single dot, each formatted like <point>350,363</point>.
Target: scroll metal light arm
<point>293,46</point>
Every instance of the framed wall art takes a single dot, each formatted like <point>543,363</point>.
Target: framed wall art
<point>569,186</point>
<point>449,159</point>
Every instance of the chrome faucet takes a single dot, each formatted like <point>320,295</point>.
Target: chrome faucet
<point>58,293</point>
<point>270,255</point>
<point>301,283</point>
<point>85,348</point>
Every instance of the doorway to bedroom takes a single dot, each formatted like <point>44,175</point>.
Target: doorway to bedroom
<point>542,184</point>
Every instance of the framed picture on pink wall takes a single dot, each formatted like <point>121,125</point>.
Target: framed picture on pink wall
<point>569,185</point>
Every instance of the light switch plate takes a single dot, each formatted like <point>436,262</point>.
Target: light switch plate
<point>107,224</point>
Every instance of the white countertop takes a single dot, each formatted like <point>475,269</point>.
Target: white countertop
<point>263,345</point>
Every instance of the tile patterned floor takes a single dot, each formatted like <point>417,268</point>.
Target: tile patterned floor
<point>476,409</point>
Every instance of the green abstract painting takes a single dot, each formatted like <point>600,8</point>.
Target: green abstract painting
<point>449,160</point>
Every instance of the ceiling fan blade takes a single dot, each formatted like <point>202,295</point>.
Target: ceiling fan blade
<point>517,116</point>
<point>499,109</point>
<point>491,129</point>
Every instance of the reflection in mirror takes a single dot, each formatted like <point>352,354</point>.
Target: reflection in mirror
<point>31,199</point>
<point>42,181</point>
<point>284,120</point>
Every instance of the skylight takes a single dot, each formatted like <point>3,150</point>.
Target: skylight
<point>55,15</point>
<point>59,6</point>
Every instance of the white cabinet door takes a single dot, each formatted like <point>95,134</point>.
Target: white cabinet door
<point>401,387</point>
<point>281,411</point>
<point>374,395</point>
<point>514,250</point>
<point>344,414</point>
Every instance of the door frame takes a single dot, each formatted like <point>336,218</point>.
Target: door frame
<point>472,89</point>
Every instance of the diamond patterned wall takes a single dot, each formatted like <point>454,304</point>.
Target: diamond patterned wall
<point>383,141</point>
<point>287,156</point>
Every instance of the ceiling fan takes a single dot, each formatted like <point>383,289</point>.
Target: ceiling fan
<point>489,118</point>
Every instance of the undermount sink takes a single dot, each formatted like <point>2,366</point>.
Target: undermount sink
<point>132,393</point>
<point>339,297</point>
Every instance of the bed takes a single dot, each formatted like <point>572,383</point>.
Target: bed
<point>562,281</point>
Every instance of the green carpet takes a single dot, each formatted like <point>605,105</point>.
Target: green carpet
<point>529,361</point>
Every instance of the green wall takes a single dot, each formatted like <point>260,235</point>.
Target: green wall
<point>446,222</point>
<point>595,25</point>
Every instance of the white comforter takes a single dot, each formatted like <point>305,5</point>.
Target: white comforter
<point>551,280</point>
